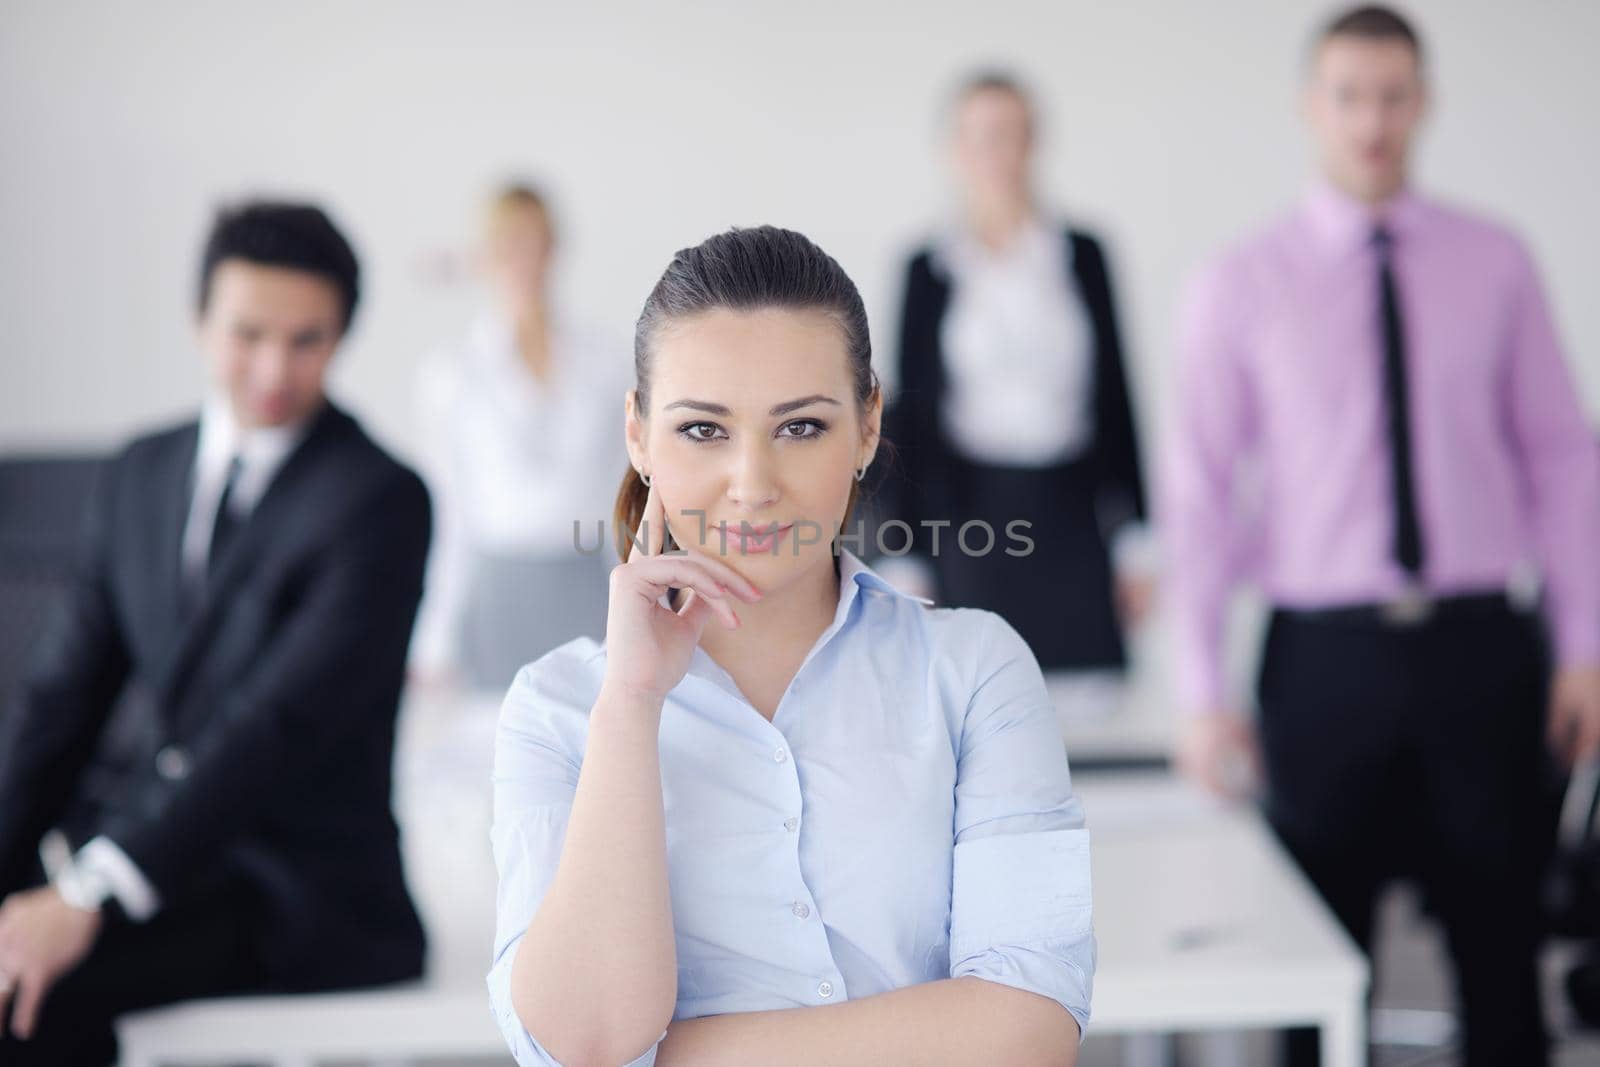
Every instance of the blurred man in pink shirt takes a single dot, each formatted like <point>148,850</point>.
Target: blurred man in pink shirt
<point>1383,372</point>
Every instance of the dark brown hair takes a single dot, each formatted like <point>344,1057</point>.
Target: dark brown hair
<point>271,233</point>
<point>1374,22</point>
<point>744,270</point>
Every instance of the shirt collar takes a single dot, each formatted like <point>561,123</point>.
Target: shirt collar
<point>855,574</point>
<point>957,249</point>
<point>1345,222</point>
<point>265,447</point>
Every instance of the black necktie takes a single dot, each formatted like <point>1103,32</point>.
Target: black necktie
<point>226,523</point>
<point>1407,529</point>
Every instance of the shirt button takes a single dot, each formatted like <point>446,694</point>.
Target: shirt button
<point>780,756</point>
<point>172,763</point>
<point>801,911</point>
<point>825,989</point>
<point>791,825</point>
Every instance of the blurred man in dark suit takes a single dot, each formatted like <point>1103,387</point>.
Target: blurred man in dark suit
<point>195,775</point>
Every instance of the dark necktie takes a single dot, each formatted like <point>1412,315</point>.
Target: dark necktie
<point>1407,528</point>
<point>226,522</point>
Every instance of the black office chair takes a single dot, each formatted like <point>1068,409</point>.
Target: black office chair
<point>42,505</point>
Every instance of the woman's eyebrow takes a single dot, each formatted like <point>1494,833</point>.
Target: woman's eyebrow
<point>776,409</point>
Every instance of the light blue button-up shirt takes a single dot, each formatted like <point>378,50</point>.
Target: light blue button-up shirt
<point>906,816</point>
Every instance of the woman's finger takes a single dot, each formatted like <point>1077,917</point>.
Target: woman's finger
<point>656,515</point>
<point>725,575</point>
<point>693,572</point>
<point>661,573</point>
<point>723,609</point>
<point>644,537</point>
<point>697,608</point>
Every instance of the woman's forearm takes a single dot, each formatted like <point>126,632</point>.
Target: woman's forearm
<point>595,978</point>
<point>955,1021</point>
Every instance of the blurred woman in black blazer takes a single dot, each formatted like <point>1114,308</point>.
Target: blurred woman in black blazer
<point>1013,405</point>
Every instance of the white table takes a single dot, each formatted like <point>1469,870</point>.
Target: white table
<point>1205,923</point>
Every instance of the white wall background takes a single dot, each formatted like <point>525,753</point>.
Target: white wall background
<point>1171,126</point>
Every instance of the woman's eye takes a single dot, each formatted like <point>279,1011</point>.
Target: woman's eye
<point>799,430</point>
<point>802,429</point>
<point>699,431</point>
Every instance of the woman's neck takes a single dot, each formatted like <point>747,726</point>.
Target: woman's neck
<point>530,329</point>
<point>996,222</point>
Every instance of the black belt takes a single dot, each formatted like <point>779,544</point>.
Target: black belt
<point>1409,609</point>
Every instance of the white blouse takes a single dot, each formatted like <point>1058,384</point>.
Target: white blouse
<point>512,461</point>
<point>1018,349</point>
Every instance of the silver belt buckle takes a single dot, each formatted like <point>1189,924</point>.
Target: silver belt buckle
<point>1410,608</point>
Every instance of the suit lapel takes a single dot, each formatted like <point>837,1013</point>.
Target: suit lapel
<point>284,498</point>
<point>173,497</point>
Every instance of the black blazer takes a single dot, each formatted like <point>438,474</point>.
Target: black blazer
<point>246,747</point>
<point>913,486</point>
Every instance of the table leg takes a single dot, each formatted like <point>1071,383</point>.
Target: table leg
<point>1344,1038</point>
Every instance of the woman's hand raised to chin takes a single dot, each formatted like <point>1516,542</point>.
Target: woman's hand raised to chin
<point>648,647</point>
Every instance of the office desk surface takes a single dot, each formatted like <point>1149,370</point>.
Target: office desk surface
<point>1204,921</point>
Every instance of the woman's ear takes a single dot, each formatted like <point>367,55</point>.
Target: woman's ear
<point>634,430</point>
<point>873,431</point>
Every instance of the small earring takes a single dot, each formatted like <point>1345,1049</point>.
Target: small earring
<point>862,473</point>
<point>645,478</point>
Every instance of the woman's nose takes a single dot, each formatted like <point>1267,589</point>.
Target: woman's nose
<point>752,479</point>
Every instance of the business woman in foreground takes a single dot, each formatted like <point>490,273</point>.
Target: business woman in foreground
<point>785,814</point>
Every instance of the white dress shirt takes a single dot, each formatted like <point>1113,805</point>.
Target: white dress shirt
<point>101,864</point>
<point>512,461</point>
<point>1018,349</point>
<point>261,452</point>
<point>906,815</point>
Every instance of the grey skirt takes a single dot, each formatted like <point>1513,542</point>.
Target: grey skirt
<point>520,607</point>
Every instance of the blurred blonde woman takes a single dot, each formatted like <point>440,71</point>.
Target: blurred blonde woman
<point>519,420</point>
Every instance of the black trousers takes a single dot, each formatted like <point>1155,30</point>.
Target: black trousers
<point>1418,751</point>
<point>198,950</point>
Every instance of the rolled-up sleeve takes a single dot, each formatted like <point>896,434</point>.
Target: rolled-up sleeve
<point>1020,911</point>
<point>537,754</point>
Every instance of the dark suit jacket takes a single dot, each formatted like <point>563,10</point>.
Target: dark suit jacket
<point>923,456</point>
<point>247,745</point>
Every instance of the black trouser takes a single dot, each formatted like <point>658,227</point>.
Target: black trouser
<point>197,950</point>
<point>1417,750</point>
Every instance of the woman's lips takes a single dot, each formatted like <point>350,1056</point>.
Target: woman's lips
<point>760,538</point>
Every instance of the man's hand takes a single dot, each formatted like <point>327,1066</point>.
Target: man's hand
<point>1135,595</point>
<point>1575,714</point>
<point>1218,751</point>
<point>42,937</point>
